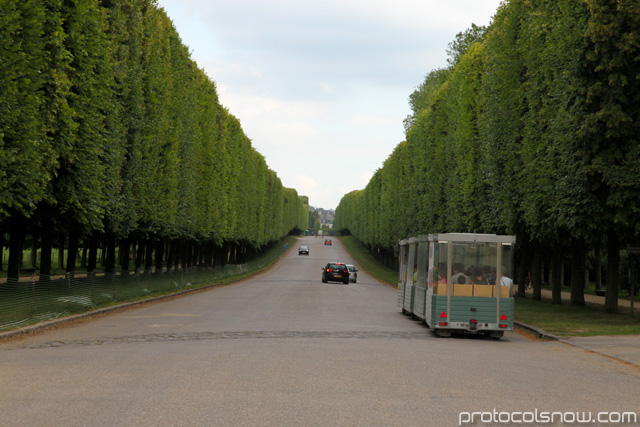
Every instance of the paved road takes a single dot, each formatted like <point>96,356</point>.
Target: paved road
<point>283,349</point>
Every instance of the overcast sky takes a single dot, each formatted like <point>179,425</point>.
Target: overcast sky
<point>321,87</point>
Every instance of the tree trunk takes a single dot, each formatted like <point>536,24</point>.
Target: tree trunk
<point>148,258</point>
<point>523,267</point>
<point>171,255</point>
<point>16,240</point>
<point>92,260</point>
<point>46,245</point>
<point>110,257</point>
<point>536,273</point>
<point>598,266</point>
<point>85,250</point>
<point>1,245</point>
<point>72,252</point>
<point>125,248</point>
<point>184,254</point>
<point>159,255</point>
<point>61,243</point>
<point>34,250</point>
<point>139,255</point>
<point>556,275</point>
<point>195,255</point>
<point>613,274</point>
<point>577,273</point>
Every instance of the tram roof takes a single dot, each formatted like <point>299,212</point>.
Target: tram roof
<point>461,237</point>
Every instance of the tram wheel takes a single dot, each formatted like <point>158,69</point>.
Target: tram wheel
<point>443,333</point>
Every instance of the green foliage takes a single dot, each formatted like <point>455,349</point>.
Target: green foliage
<point>422,97</point>
<point>30,83</point>
<point>108,126</point>
<point>533,131</point>
<point>463,42</point>
<point>313,215</point>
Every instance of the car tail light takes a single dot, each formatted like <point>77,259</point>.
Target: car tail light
<point>328,270</point>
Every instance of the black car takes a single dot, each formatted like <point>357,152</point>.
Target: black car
<point>303,250</point>
<point>335,272</point>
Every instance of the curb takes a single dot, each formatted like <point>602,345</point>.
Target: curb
<point>93,313</point>
<point>538,332</point>
<point>599,353</point>
<point>544,335</point>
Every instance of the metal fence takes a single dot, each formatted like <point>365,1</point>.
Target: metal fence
<point>24,302</point>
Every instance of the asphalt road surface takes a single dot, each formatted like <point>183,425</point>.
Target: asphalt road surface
<point>284,349</point>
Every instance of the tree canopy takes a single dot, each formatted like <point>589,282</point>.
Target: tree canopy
<point>532,131</point>
<point>108,127</point>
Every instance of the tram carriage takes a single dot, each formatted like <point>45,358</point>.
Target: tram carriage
<point>458,282</point>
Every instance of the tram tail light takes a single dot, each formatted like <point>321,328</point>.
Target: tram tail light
<point>473,324</point>
<point>443,316</point>
<point>503,318</point>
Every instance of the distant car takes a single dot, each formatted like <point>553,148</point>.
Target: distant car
<point>335,272</point>
<point>353,273</point>
<point>303,250</point>
<point>328,242</point>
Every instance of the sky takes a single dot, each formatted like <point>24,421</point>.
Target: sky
<point>321,87</point>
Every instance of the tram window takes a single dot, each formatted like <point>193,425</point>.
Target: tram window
<point>422,261</point>
<point>439,271</point>
<point>507,265</point>
<point>404,251</point>
<point>474,263</point>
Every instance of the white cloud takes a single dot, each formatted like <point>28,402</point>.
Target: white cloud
<point>321,87</point>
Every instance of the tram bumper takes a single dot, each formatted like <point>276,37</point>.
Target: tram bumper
<point>474,327</point>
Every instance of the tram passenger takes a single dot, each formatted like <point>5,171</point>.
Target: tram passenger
<point>475,273</point>
<point>442,272</point>
<point>489,275</point>
<point>458,274</point>
<point>504,280</point>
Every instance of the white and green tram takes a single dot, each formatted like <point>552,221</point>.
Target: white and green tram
<point>458,282</point>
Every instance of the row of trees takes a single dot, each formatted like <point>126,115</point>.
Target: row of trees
<point>110,132</point>
<point>533,130</point>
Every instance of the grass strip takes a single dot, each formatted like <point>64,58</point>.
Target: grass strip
<point>21,306</point>
<point>368,262</point>
<point>568,320</point>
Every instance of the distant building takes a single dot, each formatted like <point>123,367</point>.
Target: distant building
<point>326,216</point>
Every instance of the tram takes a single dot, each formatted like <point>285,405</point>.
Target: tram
<point>458,282</point>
